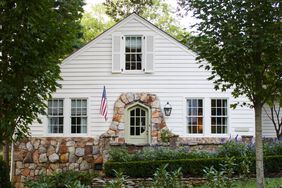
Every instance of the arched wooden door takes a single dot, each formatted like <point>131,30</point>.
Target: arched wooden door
<point>137,124</point>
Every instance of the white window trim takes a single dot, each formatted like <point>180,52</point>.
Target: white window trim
<point>87,125</point>
<point>47,119</point>
<point>67,118</point>
<point>207,117</point>
<point>204,117</point>
<point>228,118</point>
<point>143,53</point>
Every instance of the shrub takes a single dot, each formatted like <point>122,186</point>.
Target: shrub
<point>190,167</point>
<point>235,149</point>
<point>274,148</point>
<point>62,180</point>
<point>147,168</point>
<point>157,153</point>
<point>4,175</point>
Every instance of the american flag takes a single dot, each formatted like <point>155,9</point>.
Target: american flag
<point>104,105</point>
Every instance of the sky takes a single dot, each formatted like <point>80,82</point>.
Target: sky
<point>185,22</point>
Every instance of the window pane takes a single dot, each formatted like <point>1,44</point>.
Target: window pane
<point>55,116</point>
<point>127,44</point>
<point>218,116</point>
<point>137,111</point>
<point>218,103</point>
<point>200,111</point>
<point>195,116</point>
<point>200,103</point>
<point>79,113</point>
<point>133,53</point>
<point>139,44</point>
<point>213,103</point>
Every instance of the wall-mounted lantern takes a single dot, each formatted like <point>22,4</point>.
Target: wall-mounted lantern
<point>167,109</point>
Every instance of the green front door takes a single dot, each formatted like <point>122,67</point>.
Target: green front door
<point>137,129</point>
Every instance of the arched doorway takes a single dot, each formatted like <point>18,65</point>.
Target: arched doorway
<point>137,124</point>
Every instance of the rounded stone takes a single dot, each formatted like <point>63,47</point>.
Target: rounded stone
<point>53,158</point>
<point>79,152</point>
<point>29,146</point>
<point>84,165</point>
<point>43,158</point>
<point>63,149</point>
<point>72,158</point>
<point>95,150</point>
<point>42,149</point>
<point>28,158</point>
<point>51,150</point>
<point>64,157</point>
<point>70,143</point>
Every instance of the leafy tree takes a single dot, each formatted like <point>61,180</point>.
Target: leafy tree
<point>95,22</point>
<point>241,42</point>
<point>119,9</point>
<point>156,11</point>
<point>35,37</point>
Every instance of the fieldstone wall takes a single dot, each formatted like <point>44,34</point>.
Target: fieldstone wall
<point>118,122</point>
<point>36,156</point>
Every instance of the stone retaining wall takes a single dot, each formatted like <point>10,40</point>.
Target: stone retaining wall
<point>46,155</point>
<point>36,156</point>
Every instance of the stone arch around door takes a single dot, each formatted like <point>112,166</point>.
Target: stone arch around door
<point>128,100</point>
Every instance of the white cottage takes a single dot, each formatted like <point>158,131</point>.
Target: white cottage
<point>135,59</point>
<point>142,69</point>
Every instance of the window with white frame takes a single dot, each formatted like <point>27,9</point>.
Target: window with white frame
<point>195,116</point>
<point>55,116</point>
<point>78,116</point>
<point>133,53</point>
<point>219,116</point>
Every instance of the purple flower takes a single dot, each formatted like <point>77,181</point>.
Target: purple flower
<point>222,140</point>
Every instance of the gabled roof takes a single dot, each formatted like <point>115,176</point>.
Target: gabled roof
<point>120,24</point>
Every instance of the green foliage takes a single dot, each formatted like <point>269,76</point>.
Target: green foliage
<point>156,11</point>
<point>222,178</point>
<point>94,23</point>
<point>165,135</point>
<point>68,179</point>
<point>35,37</point>
<point>191,167</point>
<point>158,153</point>
<point>118,182</point>
<point>165,179</point>
<point>274,148</point>
<point>235,149</point>
<point>4,175</point>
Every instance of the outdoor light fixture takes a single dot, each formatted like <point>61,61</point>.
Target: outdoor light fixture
<point>167,109</point>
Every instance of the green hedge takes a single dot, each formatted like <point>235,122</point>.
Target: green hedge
<point>190,167</point>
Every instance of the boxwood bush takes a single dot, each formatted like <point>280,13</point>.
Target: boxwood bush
<point>190,167</point>
<point>157,153</point>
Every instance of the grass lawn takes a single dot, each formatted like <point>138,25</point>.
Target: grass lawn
<point>270,183</point>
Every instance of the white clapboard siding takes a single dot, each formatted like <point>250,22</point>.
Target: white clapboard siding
<point>174,77</point>
<point>268,127</point>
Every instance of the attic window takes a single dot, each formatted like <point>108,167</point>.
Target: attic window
<point>133,53</point>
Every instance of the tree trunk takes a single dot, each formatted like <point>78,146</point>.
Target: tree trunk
<point>6,150</point>
<point>259,147</point>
